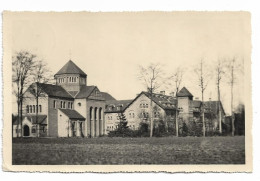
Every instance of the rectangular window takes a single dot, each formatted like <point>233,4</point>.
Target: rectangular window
<point>71,104</point>
<point>54,104</point>
<point>40,108</point>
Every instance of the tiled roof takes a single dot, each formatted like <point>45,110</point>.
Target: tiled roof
<point>208,106</point>
<point>70,68</point>
<point>54,90</point>
<point>184,93</point>
<point>32,119</point>
<point>196,104</point>
<point>72,114</point>
<point>164,101</point>
<point>212,106</point>
<point>107,96</point>
<point>85,91</point>
<point>111,106</point>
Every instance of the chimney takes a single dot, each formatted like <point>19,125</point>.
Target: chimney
<point>162,92</point>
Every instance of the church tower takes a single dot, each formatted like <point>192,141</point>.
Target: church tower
<point>71,78</point>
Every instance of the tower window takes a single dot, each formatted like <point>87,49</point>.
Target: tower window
<point>54,104</point>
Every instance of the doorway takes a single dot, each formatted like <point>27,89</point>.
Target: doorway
<point>26,130</point>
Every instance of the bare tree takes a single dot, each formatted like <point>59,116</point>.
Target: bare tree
<point>176,78</point>
<point>219,73</point>
<point>233,67</point>
<point>40,75</point>
<point>22,65</point>
<point>151,78</point>
<point>204,78</point>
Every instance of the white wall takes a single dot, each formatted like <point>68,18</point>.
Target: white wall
<point>63,123</point>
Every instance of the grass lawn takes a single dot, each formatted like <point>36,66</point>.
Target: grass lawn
<point>166,150</point>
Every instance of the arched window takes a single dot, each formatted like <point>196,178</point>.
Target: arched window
<point>61,104</point>
<point>30,109</point>
<point>70,79</point>
<point>64,104</point>
<point>27,109</point>
<point>100,113</point>
<point>33,108</point>
<point>68,105</point>
<point>71,105</point>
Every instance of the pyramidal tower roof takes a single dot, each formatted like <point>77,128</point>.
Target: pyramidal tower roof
<point>70,68</point>
<point>184,93</point>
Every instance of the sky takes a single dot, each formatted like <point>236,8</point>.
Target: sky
<point>109,47</point>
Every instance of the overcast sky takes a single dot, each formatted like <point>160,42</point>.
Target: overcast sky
<point>109,47</point>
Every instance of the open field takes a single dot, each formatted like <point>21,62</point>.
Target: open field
<point>167,150</point>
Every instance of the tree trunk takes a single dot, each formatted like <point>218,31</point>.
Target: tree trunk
<point>151,115</point>
<point>232,114</point>
<point>219,112</point>
<point>18,117</point>
<point>203,117</point>
<point>176,119</point>
<point>21,118</point>
<point>37,125</point>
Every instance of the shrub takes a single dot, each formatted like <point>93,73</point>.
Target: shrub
<point>184,129</point>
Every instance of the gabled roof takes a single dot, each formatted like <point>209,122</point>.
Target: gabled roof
<point>73,93</point>
<point>213,106</point>
<point>70,68</point>
<point>72,114</point>
<point>184,93</point>
<point>85,91</point>
<point>54,90</point>
<point>107,96</point>
<point>32,119</point>
<point>111,106</point>
<point>196,104</point>
<point>164,101</point>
